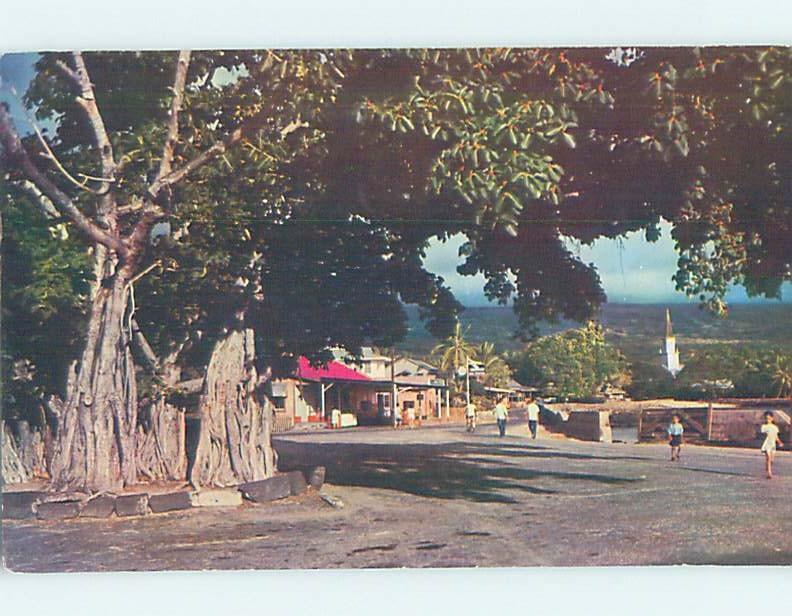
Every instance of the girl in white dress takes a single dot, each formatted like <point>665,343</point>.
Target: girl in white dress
<point>770,430</point>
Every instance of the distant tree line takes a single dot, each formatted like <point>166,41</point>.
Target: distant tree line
<point>574,364</point>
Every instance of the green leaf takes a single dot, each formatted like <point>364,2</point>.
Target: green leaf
<point>682,145</point>
<point>514,201</point>
<point>554,131</point>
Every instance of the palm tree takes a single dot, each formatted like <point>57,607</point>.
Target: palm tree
<point>782,374</point>
<point>454,352</point>
<point>496,370</point>
<point>486,353</point>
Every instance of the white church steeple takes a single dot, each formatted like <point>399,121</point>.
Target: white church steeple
<point>671,352</point>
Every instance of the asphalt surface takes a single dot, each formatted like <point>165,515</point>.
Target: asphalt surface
<point>444,498</point>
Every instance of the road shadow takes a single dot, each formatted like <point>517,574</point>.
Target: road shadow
<point>448,470</point>
<point>536,451</point>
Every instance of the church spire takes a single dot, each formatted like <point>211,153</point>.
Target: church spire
<point>671,352</point>
<point>669,329</point>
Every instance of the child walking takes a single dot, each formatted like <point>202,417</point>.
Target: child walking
<point>770,430</point>
<point>675,431</point>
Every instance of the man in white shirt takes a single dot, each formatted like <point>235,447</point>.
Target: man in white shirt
<point>470,416</point>
<point>533,417</point>
<point>501,415</point>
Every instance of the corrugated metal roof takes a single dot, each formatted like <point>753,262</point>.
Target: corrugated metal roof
<point>332,371</point>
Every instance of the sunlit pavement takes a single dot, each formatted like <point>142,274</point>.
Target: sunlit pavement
<point>442,498</point>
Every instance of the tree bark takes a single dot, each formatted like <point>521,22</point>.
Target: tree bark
<point>95,442</point>
<point>161,451</point>
<point>235,442</point>
<point>95,446</point>
<point>13,470</point>
<point>31,449</point>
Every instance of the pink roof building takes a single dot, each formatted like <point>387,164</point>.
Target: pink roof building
<point>332,371</point>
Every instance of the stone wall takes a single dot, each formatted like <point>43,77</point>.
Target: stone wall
<point>46,506</point>
<point>589,426</point>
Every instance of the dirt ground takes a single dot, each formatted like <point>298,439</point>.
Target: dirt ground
<point>440,497</point>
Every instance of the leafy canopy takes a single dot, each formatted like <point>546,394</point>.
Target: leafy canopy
<point>316,224</point>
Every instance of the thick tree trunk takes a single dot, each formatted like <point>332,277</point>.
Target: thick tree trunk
<point>95,443</point>
<point>161,431</point>
<point>161,451</point>
<point>235,442</point>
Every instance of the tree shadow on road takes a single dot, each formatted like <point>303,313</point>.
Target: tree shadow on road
<point>447,470</point>
<point>535,451</point>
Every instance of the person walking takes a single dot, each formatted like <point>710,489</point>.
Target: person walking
<point>397,417</point>
<point>501,415</point>
<point>675,431</point>
<point>410,408</point>
<point>533,417</point>
<point>470,416</point>
<point>770,430</point>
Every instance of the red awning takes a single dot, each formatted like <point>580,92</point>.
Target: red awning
<point>332,371</point>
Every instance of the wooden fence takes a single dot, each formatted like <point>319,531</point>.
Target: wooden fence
<point>739,426</point>
<point>653,423</point>
<point>282,423</point>
<point>742,425</point>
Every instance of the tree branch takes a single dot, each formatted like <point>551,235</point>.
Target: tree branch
<point>68,71</point>
<point>152,211</point>
<point>179,82</point>
<point>41,200</point>
<point>135,205</point>
<point>191,386</point>
<point>87,100</point>
<point>177,175</point>
<point>48,153</point>
<point>143,346</point>
<point>136,241</point>
<point>15,151</point>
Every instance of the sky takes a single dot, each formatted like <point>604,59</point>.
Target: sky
<point>16,71</point>
<point>631,270</point>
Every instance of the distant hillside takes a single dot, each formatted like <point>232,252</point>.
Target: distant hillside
<point>496,324</point>
<point>637,329</point>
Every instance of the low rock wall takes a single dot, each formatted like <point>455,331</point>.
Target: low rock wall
<point>45,506</point>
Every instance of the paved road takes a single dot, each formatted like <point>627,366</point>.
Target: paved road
<point>445,498</point>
